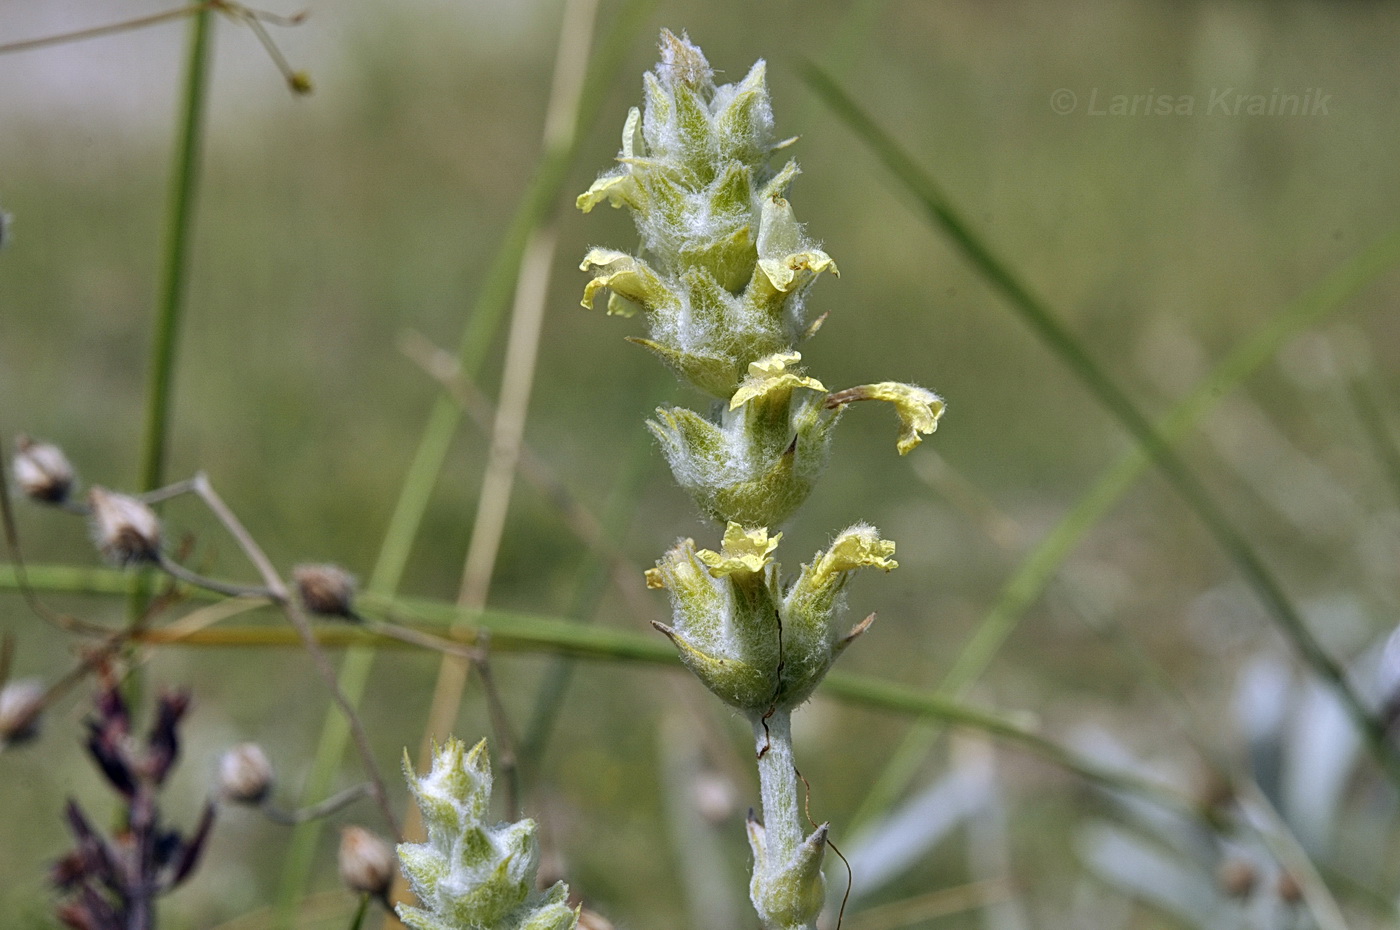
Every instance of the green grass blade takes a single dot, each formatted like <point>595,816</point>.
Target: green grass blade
<point>1047,326</point>
<point>1034,573</point>
<point>175,264</point>
<point>174,275</point>
<point>533,633</point>
<point>1372,421</point>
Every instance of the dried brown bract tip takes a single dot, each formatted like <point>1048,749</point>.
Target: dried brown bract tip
<point>326,590</point>
<point>42,472</point>
<point>366,862</point>
<point>245,774</point>
<point>683,60</point>
<point>125,530</point>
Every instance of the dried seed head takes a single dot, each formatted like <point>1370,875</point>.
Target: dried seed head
<point>245,774</point>
<point>42,471</point>
<point>126,530</point>
<point>1237,877</point>
<point>20,704</point>
<point>325,590</point>
<point>366,862</point>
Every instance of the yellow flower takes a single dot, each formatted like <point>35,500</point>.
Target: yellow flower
<point>769,375</point>
<point>741,551</point>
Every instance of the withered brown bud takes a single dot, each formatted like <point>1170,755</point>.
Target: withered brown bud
<point>1237,877</point>
<point>592,920</point>
<point>42,471</point>
<point>125,530</point>
<point>20,703</point>
<point>325,590</point>
<point>245,774</point>
<point>366,862</point>
<point>1289,890</point>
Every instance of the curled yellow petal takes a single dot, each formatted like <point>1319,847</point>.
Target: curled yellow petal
<point>858,547</point>
<point>629,278</point>
<point>618,186</point>
<point>741,551</point>
<point>619,189</point>
<point>770,374</point>
<point>919,409</point>
<point>812,598</point>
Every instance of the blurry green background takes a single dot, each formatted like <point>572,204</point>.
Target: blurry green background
<point>328,226</point>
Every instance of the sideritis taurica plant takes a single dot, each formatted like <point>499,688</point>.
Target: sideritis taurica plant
<point>722,283</point>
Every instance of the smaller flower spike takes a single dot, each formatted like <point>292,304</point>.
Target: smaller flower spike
<point>472,875</point>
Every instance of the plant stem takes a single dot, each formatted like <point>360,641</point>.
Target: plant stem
<point>777,782</point>
<point>184,186</point>
<point>783,829</point>
<point>179,227</point>
<point>96,32</point>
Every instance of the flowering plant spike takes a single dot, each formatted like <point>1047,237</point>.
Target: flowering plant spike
<point>470,874</point>
<point>722,283</point>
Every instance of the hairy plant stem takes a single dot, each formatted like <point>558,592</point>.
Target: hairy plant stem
<point>783,827</point>
<point>777,782</point>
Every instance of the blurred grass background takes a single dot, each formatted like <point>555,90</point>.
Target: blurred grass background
<point>328,226</point>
